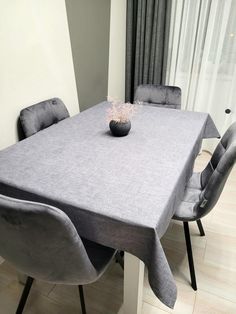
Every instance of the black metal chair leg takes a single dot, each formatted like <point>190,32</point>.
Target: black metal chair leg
<point>24,295</point>
<point>190,255</point>
<point>81,294</point>
<point>200,227</point>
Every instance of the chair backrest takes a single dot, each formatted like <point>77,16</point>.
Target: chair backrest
<point>41,115</point>
<point>42,242</point>
<point>214,176</point>
<point>159,96</point>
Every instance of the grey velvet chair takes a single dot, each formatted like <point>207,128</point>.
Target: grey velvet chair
<point>42,115</point>
<point>42,242</point>
<point>204,189</point>
<point>159,96</point>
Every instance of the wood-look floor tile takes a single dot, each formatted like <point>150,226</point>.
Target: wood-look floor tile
<point>223,222</point>
<point>216,280</point>
<point>39,304</point>
<point>206,303</point>
<point>176,238</point>
<point>178,262</point>
<point>227,196</point>
<point>36,303</point>
<point>221,251</point>
<point>184,304</point>
<point>7,275</point>
<point>226,217</point>
<point>149,309</point>
<point>103,296</point>
<point>175,250</point>
<point>9,297</point>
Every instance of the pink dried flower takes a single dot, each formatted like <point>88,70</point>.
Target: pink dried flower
<point>139,103</point>
<point>119,111</point>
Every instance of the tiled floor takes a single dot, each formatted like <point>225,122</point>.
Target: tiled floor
<point>215,263</point>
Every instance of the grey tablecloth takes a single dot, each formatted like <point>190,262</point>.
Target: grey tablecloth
<point>119,192</point>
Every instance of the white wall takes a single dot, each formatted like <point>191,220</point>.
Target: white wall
<point>116,73</point>
<point>35,60</point>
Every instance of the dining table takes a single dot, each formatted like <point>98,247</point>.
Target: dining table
<point>120,192</point>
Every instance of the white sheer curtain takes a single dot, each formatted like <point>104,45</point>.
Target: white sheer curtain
<point>202,56</point>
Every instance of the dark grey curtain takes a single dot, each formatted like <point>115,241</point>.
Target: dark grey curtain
<point>147,32</point>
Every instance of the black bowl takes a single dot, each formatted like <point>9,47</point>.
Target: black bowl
<point>119,128</point>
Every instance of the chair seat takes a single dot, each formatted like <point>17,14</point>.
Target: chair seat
<point>185,211</point>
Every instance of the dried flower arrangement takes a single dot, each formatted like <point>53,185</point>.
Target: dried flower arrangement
<point>120,112</point>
